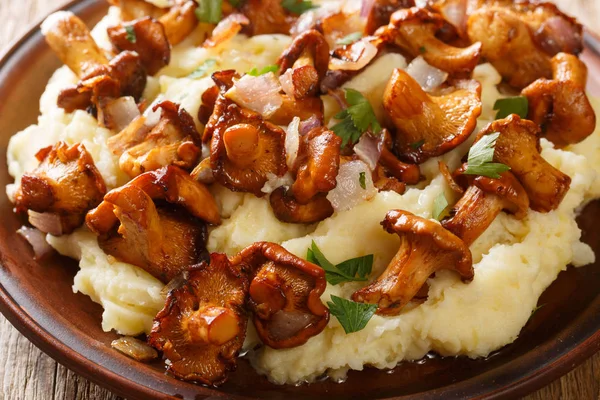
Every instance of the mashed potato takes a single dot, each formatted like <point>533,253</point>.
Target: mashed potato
<point>515,261</point>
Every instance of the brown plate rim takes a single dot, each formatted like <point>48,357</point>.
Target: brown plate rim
<point>62,353</point>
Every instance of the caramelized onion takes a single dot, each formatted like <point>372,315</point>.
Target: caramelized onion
<point>134,348</point>
<point>120,113</point>
<point>429,77</point>
<point>354,57</point>
<point>46,222</point>
<point>368,149</point>
<point>348,193</point>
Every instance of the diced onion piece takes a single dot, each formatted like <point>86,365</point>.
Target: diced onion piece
<point>309,125</point>
<point>348,193</point>
<point>121,112</point>
<point>287,84</point>
<point>134,348</point>
<point>366,7</point>
<point>153,117</point>
<point>292,142</point>
<point>46,222</point>
<point>368,149</point>
<point>429,77</point>
<point>355,56</point>
<point>273,182</point>
<point>226,29</point>
<point>258,93</point>
<point>37,240</point>
<point>455,12</point>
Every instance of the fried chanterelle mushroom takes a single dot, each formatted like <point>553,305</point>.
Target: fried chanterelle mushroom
<point>61,190</point>
<point>179,20</point>
<point>484,199</point>
<point>202,327</point>
<point>560,106</point>
<point>245,148</point>
<point>174,140</point>
<point>284,295</point>
<point>518,146</point>
<point>430,124</point>
<point>519,38</point>
<point>150,42</point>
<point>156,222</point>
<point>425,247</point>
<point>316,168</point>
<point>101,81</point>
<point>415,30</point>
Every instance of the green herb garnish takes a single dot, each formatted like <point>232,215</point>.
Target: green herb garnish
<point>440,205</point>
<point>512,105</point>
<point>257,72</point>
<point>355,269</point>
<point>417,145</point>
<point>130,34</point>
<point>236,3</point>
<point>358,118</point>
<point>297,7</point>
<point>209,11</point>
<point>423,49</point>
<point>203,69</point>
<point>481,157</point>
<point>362,179</point>
<point>349,39</point>
<point>352,316</point>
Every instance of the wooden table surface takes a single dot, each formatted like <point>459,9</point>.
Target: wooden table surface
<point>27,373</point>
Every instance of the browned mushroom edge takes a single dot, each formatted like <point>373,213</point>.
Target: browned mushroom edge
<point>59,192</point>
<point>425,247</point>
<point>284,295</point>
<point>156,222</point>
<point>202,327</point>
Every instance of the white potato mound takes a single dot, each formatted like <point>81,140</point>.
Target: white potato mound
<point>515,261</point>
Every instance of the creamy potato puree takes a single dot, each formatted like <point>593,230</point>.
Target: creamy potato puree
<point>514,260</point>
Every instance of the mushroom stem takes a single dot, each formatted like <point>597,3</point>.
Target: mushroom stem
<point>213,325</point>
<point>407,173</point>
<point>425,247</point>
<point>475,212</point>
<point>265,291</point>
<point>241,144</point>
<point>567,67</point>
<point>71,40</point>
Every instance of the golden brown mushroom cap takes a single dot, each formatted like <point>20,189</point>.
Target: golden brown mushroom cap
<point>520,37</point>
<point>440,121</point>
<point>284,295</point>
<point>317,164</point>
<point>414,31</point>
<point>287,209</point>
<point>308,57</point>
<point>381,11</point>
<point>561,106</point>
<point>65,184</point>
<point>266,17</point>
<point>150,42</point>
<point>425,248</point>
<point>484,199</point>
<point>245,148</point>
<point>518,146</point>
<point>173,141</point>
<point>202,327</point>
<point>160,214</point>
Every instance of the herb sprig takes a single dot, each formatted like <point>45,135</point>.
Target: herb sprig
<point>265,70</point>
<point>349,39</point>
<point>358,118</point>
<point>481,157</point>
<point>203,69</point>
<point>297,7</point>
<point>512,105</point>
<point>209,11</point>
<point>352,316</point>
<point>130,34</point>
<point>353,270</point>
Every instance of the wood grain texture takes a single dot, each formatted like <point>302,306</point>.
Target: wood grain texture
<point>28,374</point>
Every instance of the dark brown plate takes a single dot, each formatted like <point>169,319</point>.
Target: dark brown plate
<point>38,300</point>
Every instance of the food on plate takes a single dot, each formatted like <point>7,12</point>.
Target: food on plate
<point>284,181</point>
